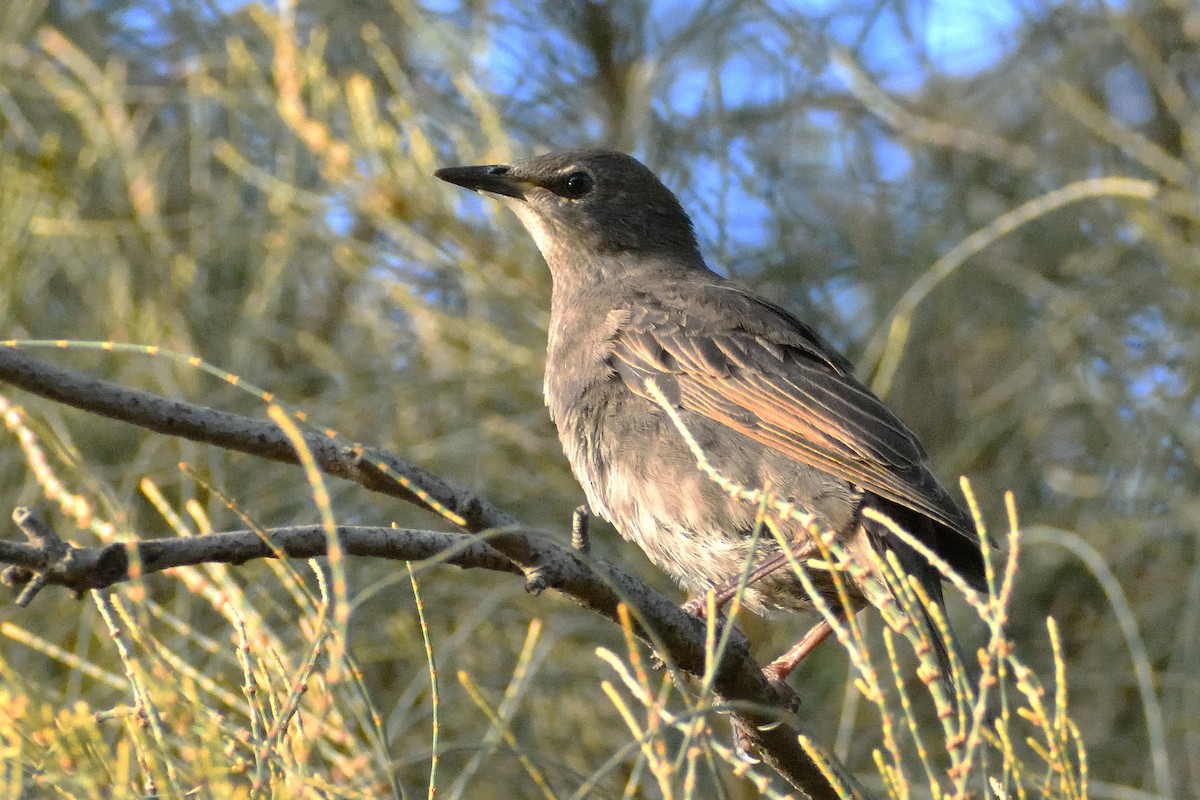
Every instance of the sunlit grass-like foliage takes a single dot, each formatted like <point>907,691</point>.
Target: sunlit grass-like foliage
<point>301,721</point>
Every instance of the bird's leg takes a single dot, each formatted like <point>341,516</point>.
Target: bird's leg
<point>777,671</point>
<point>579,528</point>
<point>698,606</point>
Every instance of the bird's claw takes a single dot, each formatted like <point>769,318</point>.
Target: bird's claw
<point>743,745</point>
<point>698,607</point>
<point>695,607</point>
<point>789,701</point>
<point>579,529</point>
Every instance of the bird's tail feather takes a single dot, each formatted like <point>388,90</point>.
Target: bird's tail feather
<point>914,564</point>
<point>933,587</point>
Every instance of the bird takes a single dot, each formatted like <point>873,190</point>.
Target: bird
<point>646,343</point>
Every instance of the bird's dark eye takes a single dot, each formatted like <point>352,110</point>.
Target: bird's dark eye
<point>577,185</point>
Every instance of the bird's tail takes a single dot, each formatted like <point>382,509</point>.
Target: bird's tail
<point>914,564</point>
<point>932,584</point>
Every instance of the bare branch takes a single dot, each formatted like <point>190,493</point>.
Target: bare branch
<point>84,568</point>
<point>243,434</point>
<point>738,681</point>
<point>592,584</point>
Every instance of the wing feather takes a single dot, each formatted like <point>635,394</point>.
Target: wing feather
<point>792,397</point>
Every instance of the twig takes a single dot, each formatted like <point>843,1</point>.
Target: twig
<point>243,434</point>
<point>85,568</point>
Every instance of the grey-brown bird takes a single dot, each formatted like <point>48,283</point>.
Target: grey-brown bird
<point>637,317</point>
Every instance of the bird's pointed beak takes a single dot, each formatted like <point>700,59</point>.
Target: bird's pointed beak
<point>494,178</point>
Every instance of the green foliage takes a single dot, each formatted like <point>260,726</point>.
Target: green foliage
<point>253,186</point>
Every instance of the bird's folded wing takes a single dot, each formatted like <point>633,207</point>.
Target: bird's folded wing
<point>792,398</point>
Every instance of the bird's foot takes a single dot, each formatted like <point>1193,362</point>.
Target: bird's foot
<point>743,744</point>
<point>695,607</point>
<point>579,528</point>
<point>744,733</point>
<point>789,701</point>
<point>698,607</point>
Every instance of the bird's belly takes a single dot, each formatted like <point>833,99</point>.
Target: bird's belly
<point>640,475</point>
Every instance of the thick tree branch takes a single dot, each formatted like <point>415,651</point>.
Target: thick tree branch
<point>591,583</point>
<point>244,434</point>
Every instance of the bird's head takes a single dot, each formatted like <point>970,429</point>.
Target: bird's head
<point>584,205</point>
